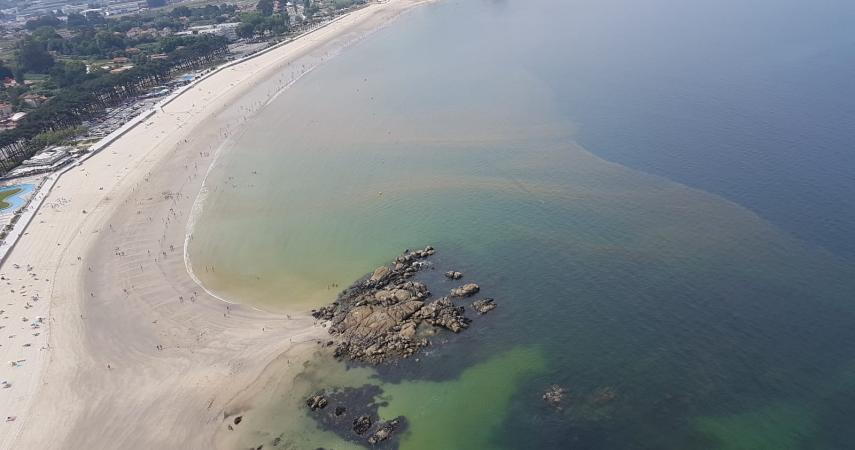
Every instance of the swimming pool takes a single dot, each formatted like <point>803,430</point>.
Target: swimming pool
<point>11,202</point>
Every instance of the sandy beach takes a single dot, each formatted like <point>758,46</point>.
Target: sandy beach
<point>106,340</point>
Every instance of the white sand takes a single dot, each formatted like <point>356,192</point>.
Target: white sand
<point>112,285</point>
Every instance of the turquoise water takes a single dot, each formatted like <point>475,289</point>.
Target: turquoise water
<point>601,170</point>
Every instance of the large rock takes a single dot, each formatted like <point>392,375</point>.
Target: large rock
<point>371,321</point>
<point>384,432</point>
<point>466,290</point>
<point>361,424</point>
<point>408,330</point>
<point>443,313</point>
<point>377,318</point>
<point>380,273</point>
<point>384,295</point>
<point>402,295</point>
<point>316,402</point>
<point>484,305</point>
<point>453,275</point>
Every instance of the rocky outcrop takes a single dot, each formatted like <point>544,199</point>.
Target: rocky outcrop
<point>466,290</point>
<point>384,431</point>
<point>379,273</point>
<point>361,424</point>
<point>554,396</point>
<point>453,275</point>
<point>484,305</point>
<point>443,313</point>
<point>387,314</point>
<point>316,402</point>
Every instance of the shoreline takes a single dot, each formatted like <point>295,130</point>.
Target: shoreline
<point>201,197</point>
<point>124,336</point>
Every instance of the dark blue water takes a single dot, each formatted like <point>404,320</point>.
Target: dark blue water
<point>751,100</point>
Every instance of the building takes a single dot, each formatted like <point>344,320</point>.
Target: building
<point>122,69</point>
<point>68,9</point>
<point>227,30</point>
<point>10,123</point>
<point>46,160</point>
<point>33,100</point>
<point>124,8</point>
<point>48,156</point>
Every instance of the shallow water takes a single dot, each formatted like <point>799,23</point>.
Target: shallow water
<point>720,318</point>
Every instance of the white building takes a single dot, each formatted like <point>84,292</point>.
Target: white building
<point>46,160</point>
<point>227,30</point>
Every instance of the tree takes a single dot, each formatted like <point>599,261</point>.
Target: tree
<point>108,41</point>
<point>50,21</point>
<point>32,56</point>
<point>245,30</point>
<point>45,34</point>
<point>5,72</point>
<point>181,11</point>
<point>265,7</point>
<point>339,4</point>
<point>94,17</point>
<point>69,73</point>
<point>76,20</point>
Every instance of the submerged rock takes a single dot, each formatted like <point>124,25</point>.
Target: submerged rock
<point>316,402</point>
<point>361,424</point>
<point>354,416</point>
<point>603,395</point>
<point>484,305</point>
<point>554,396</point>
<point>466,290</point>
<point>384,432</point>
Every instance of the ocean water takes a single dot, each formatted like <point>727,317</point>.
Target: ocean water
<point>658,196</point>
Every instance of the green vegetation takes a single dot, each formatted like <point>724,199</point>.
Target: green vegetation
<point>58,137</point>
<point>79,95</point>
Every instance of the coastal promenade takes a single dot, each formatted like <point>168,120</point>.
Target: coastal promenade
<point>108,342</point>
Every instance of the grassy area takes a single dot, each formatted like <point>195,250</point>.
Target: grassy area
<point>6,194</point>
<point>7,50</point>
<point>36,77</point>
